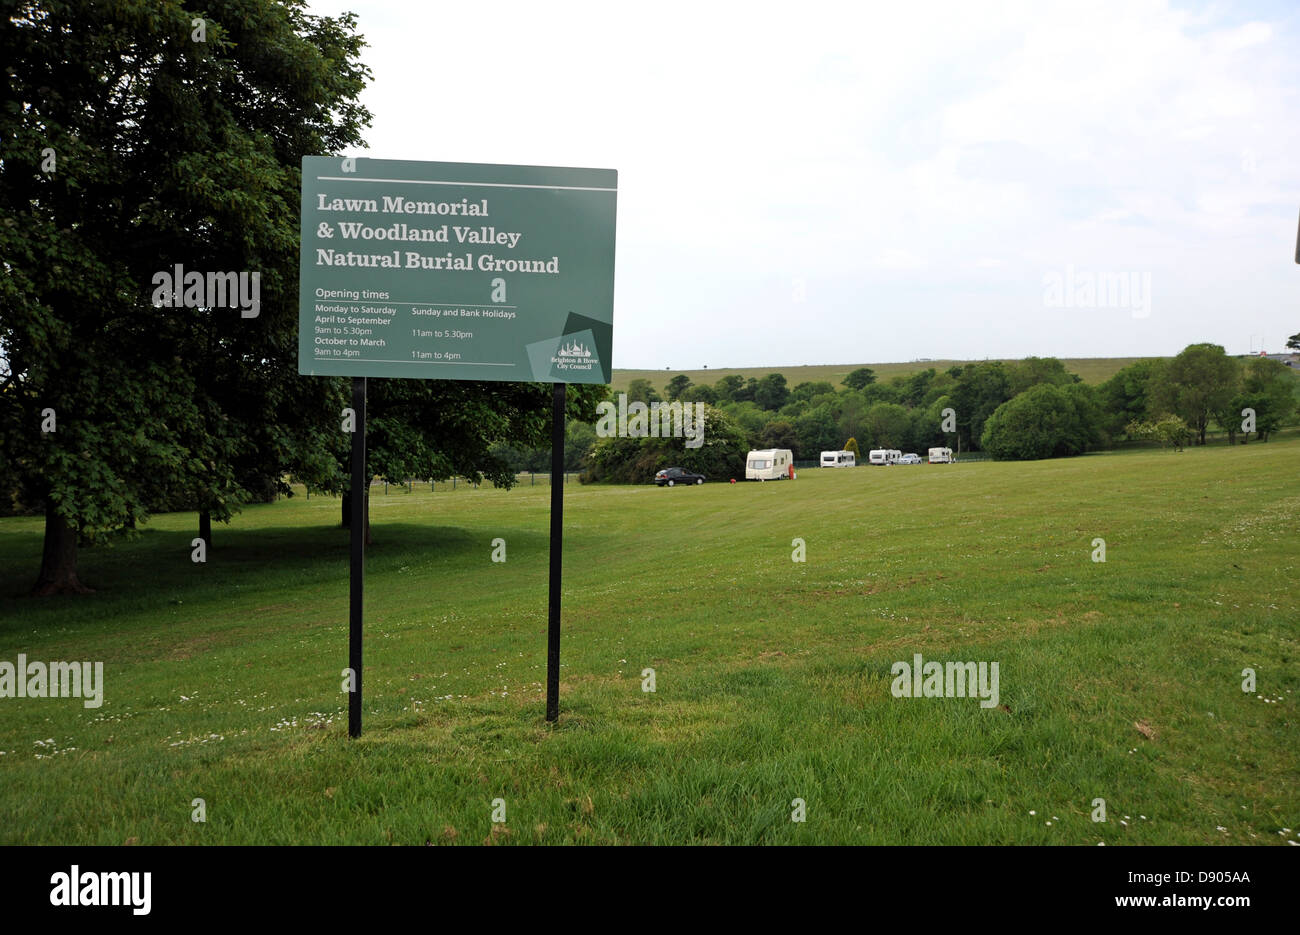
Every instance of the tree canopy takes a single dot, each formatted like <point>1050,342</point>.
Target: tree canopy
<point>1045,421</point>
<point>156,138</point>
<point>160,139</point>
<point>860,378</point>
<point>1196,384</point>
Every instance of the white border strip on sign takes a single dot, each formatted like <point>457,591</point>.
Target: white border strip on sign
<point>563,188</point>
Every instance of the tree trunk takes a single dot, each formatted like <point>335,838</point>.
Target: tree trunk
<point>347,510</point>
<point>58,574</point>
<point>205,528</point>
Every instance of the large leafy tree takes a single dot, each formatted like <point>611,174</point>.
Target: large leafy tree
<point>727,387</point>
<point>1270,389</point>
<point>1195,385</point>
<point>1045,421</point>
<point>879,393</point>
<point>1035,370</point>
<point>1125,397</point>
<point>889,425</point>
<point>808,391</point>
<point>642,390</point>
<point>980,389</point>
<point>721,455</point>
<point>700,394</point>
<point>817,430</point>
<point>748,417</point>
<point>860,378</point>
<point>928,424</point>
<point>781,434</point>
<point>771,393</point>
<point>678,385</point>
<point>139,135</point>
<point>912,389</point>
<point>851,415</point>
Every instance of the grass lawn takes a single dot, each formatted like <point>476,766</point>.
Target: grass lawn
<point>773,677</point>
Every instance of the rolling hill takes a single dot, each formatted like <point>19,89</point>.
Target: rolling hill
<point>1092,369</point>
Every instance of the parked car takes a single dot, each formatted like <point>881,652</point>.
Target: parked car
<point>671,477</point>
<point>910,458</point>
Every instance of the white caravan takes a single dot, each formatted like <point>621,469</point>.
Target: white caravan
<point>838,459</point>
<point>941,456</point>
<point>884,456</point>
<point>769,464</point>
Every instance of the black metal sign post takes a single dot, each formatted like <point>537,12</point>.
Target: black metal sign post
<point>358,545</point>
<point>557,552</point>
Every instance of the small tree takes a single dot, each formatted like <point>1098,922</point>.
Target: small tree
<point>1169,431</point>
<point>677,385</point>
<point>642,390</point>
<point>1270,388</point>
<point>771,392</point>
<point>860,378</point>
<point>852,445</point>
<point>1140,430</point>
<point>700,394</point>
<point>726,388</point>
<point>1173,431</point>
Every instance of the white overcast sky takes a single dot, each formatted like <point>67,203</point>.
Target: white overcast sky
<point>807,183</point>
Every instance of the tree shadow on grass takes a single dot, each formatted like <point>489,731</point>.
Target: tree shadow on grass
<point>157,569</point>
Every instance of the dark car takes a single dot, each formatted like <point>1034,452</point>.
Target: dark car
<point>671,477</point>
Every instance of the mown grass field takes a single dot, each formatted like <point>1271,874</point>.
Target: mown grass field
<point>773,677</point>
<point>1092,370</point>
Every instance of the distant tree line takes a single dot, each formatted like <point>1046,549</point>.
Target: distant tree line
<point>1028,409</point>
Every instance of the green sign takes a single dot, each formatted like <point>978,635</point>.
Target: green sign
<point>456,271</point>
